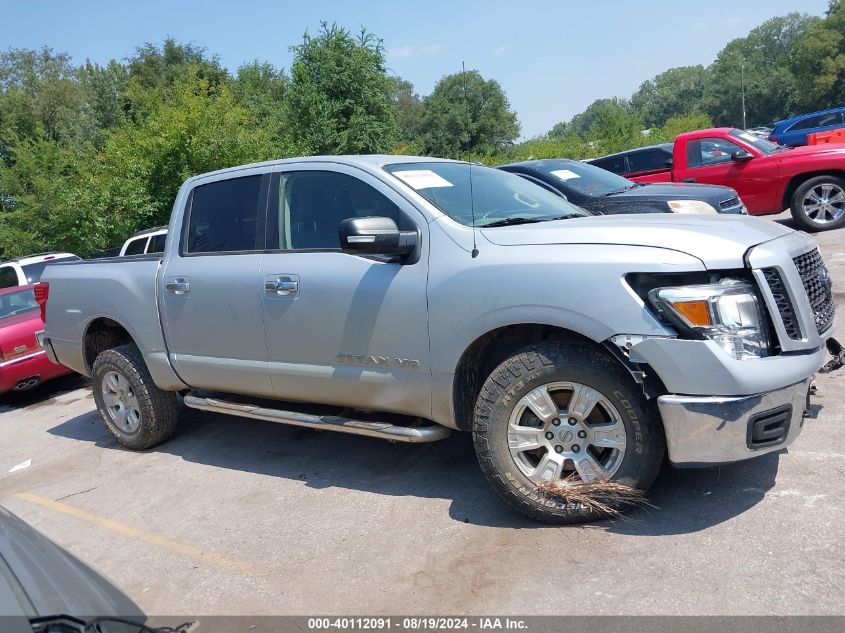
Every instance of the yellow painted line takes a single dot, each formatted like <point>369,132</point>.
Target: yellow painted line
<point>141,535</point>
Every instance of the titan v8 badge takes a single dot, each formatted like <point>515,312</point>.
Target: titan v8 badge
<point>377,361</point>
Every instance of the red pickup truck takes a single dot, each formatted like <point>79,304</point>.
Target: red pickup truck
<point>768,177</point>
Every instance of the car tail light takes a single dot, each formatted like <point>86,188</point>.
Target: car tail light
<point>42,291</point>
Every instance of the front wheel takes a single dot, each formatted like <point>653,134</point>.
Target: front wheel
<point>134,409</point>
<point>563,410</point>
<point>819,203</point>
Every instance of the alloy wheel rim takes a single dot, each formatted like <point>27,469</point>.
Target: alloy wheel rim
<point>824,203</point>
<point>120,402</point>
<point>564,429</point>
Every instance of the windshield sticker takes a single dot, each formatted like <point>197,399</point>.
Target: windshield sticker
<point>565,174</point>
<point>422,179</point>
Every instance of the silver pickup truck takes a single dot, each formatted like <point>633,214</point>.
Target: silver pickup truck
<point>401,297</point>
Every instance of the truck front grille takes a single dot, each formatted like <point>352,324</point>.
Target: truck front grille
<point>785,308</point>
<point>730,203</point>
<point>818,287</point>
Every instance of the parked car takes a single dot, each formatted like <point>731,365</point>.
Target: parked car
<point>642,161</point>
<point>401,297</point>
<point>28,270</point>
<point>793,132</point>
<point>46,589</point>
<point>23,364</point>
<point>768,177</point>
<point>601,191</point>
<point>147,241</point>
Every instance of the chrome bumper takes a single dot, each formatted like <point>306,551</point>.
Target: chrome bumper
<point>709,430</point>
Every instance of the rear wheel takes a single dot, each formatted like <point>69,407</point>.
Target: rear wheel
<point>819,203</point>
<point>563,410</point>
<point>134,409</point>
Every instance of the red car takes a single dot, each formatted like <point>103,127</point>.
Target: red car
<point>768,177</point>
<point>23,364</point>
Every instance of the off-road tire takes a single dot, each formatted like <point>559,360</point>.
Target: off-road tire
<point>546,362</point>
<point>158,408</point>
<point>796,205</point>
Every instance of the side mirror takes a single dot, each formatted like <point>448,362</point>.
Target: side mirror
<point>375,236</point>
<point>670,162</point>
<point>742,154</point>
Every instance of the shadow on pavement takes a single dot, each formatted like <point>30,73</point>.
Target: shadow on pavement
<point>684,500</point>
<point>43,393</point>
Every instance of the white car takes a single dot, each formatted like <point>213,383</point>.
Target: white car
<point>28,270</point>
<point>146,241</point>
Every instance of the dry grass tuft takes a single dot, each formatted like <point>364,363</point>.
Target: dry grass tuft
<point>608,498</point>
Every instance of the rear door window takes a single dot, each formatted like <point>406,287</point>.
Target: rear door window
<point>223,216</point>
<point>156,244</point>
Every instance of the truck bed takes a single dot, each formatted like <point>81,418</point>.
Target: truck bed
<point>120,288</point>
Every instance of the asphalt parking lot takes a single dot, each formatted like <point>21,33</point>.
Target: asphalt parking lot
<point>235,516</point>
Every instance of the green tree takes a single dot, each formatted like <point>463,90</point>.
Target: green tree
<point>408,108</point>
<point>615,128</point>
<point>39,91</point>
<point>102,89</point>
<point>339,101</point>
<point>466,113</point>
<point>154,71</point>
<point>764,56</point>
<point>819,61</point>
<point>200,127</point>
<point>583,121</point>
<point>261,88</point>
<point>679,124</point>
<point>675,92</point>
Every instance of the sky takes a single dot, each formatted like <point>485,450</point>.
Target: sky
<point>553,58</point>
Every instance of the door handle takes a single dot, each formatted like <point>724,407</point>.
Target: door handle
<point>281,286</point>
<point>689,179</point>
<point>178,285</point>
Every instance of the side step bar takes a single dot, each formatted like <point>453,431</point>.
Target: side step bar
<point>382,430</point>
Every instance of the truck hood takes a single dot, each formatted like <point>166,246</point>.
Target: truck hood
<point>712,194</point>
<point>718,241</point>
<point>809,151</point>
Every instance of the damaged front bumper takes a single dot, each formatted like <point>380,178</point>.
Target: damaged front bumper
<point>751,419</point>
<point>710,430</point>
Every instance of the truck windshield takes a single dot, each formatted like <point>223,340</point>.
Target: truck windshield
<point>16,303</point>
<point>763,145</point>
<point>586,179</point>
<point>490,197</point>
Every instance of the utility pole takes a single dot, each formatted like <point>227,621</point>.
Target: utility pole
<point>742,83</point>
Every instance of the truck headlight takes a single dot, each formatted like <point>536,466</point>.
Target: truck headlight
<point>727,313</point>
<point>691,206</point>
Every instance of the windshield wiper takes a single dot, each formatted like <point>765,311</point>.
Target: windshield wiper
<point>633,185</point>
<point>515,221</point>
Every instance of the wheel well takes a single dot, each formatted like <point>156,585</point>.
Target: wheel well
<point>488,351</point>
<point>103,334</point>
<point>800,179</point>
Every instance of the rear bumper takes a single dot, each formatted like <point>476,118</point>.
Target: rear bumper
<point>35,365</point>
<point>710,430</point>
<point>44,343</point>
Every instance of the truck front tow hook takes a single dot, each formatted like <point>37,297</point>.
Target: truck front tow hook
<point>838,360</point>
